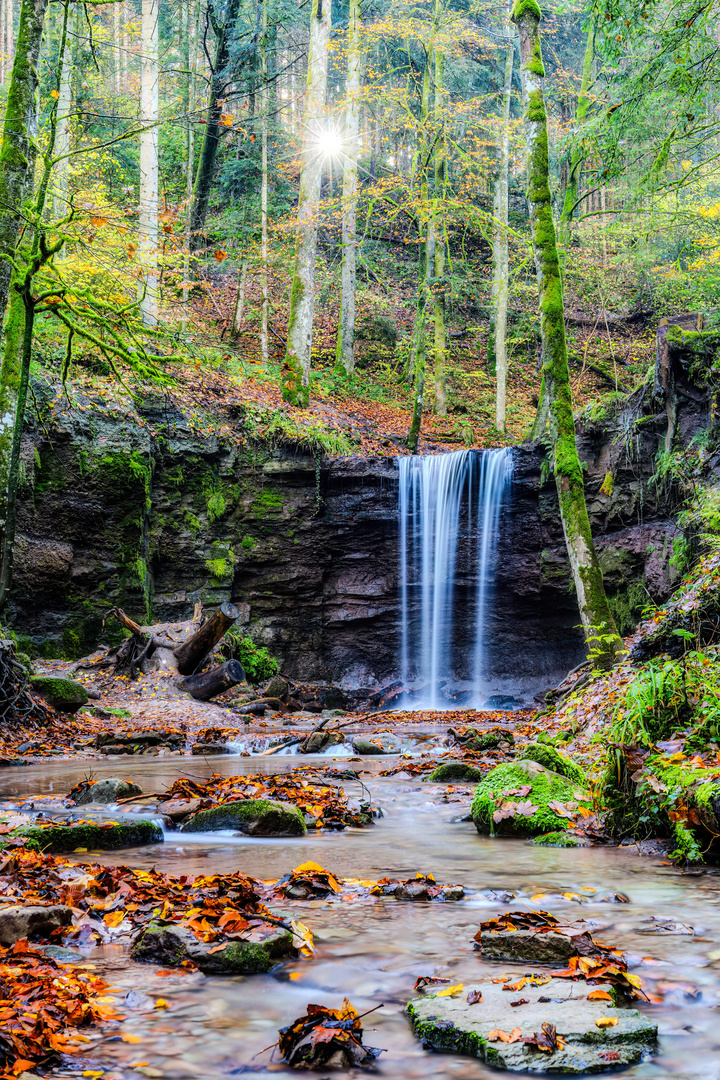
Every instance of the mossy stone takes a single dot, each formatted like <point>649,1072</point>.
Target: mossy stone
<point>456,770</point>
<point>545,787</point>
<point>89,835</point>
<point>548,756</point>
<point>65,695</point>
<point>559,839</point>
<point>171,943</point>
<point>480,741</point>
<point>257,817</point>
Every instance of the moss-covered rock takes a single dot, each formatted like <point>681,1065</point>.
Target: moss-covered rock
<point>548,756</point>
<point>504,784</point>
<point>107,790</point>
<point>257,817</point>
<point>479,741</point>
<point>65,695</point>
<point>90,836</point>
<point>456,770</point>
<point>559,839</point>
<point>169,944</point>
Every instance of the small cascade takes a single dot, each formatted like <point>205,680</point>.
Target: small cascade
<point>449,510</point>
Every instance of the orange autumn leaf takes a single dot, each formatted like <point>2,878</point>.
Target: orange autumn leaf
<point>599,995</point>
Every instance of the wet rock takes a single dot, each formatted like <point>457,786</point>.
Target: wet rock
<point>456,770</point>
<point>451,1024</point>
<point>453,892</point>
<point>210,748</point>
<point>10,762</point>
<point>108,790</point>
<point>31,921</point>
<point>549,757</point>
<point>277,688</point>
<point>65,695</point>
<point>256,817</point>
<point>116,749</point>
<point>479,741</point>
<point>524,798</point>
<point>382,743</point>
<point>527,947</point>
<point>91,836</point>
<point>169,944</point>
<point>319,740</point>
<point>561,839</point>
<point>179,809</point>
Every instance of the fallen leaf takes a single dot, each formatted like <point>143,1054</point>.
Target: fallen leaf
<point>606,1021</point>
<point>599,995</point>
<point>497,1035</point>
<point>451,991</point>
<point>474,997</point>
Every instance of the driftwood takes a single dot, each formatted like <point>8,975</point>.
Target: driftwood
<point>196,649</point>
<point>216,681</point>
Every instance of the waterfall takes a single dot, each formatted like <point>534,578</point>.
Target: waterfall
<point>449,507</point>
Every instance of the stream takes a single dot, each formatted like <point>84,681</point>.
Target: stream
<point>374,950</point>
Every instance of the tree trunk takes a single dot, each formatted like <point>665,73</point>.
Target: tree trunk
<point>216,681</point>
<point>239,302</point>
<point>264,102</point>
<point>419,346</point>
<point>208,153</point>
<point>149,178</point>
<point>17,160</point>
<point>439,231</point>
<point>295,376</point>
<point>600,633</point>
<point>192,55</point>
<point>192,653</point>
<point>62,140</point>
<point>577,156</point>
<point>345,355</point>
<point>498,333</point>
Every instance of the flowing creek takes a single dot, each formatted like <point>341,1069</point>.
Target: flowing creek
<point>373,951</point>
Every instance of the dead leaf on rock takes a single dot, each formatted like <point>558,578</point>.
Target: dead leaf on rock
<point>497,1035</point>
<point>325,1037</point>
<point>546,1040</point>
<point>474,997</point>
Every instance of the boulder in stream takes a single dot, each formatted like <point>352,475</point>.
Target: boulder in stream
<point>382,743</point>
<point>31,921</point>
<point>169,944</point>
<point>108,790</point>
<point>524,798</point>
<point>596,1035</point>
<point>89,836</point>
<point>256,817</point>
<point>65,695</point>
<point>451,771</point>
<point>555,761</point>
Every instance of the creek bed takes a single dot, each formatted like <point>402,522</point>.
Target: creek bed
<point>373,951</point>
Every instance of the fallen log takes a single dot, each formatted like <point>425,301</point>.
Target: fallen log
<point>196,649</point>
<point>213,682</point>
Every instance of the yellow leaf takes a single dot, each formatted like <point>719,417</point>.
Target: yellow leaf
<point>302,937</point>
<point>97,221</point>
<point>451,991</point>
<point>113,918</point>
<point>599,995</point>
<point>131,1038</point>
<point>606,1021</point>
<point>226,119</point>
<point>161,1003</point>
<point>54,94</point>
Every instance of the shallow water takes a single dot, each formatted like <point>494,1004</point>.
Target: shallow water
<point>373,951</point>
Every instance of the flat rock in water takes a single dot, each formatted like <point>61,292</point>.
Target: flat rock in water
<point>199,749</point>
<point>527,946</point>
<point>179,809</point>
<point>31,920</point>
<point>169,944</point>
<point>382,743</point>
<point>451,1024</point>
<point>108,790</point>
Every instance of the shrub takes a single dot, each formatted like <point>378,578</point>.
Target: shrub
<point>259,664</point>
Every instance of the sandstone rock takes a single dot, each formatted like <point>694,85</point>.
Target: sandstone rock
<point>526,947</point>
<point>65,695</point>
<point>31,921</point>
<point>169,944</point>
<point>108,790</point>
<point>116,749</point>
<point>256,817</point>
<point>451,1024</point>
<point>179,809</point>
<point>456,770</point>
<point>382,743</point>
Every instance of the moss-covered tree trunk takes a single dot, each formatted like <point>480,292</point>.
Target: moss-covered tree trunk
<point>148,225</point>
<point>439,231</point>
<point>346,330</point>
<point>213,127</point>
<point>264,108</point>
<point>17,155</point>
<point>295,375</point>
<point>600,632</point>
<point>577,156</point>
<point>497,346</point>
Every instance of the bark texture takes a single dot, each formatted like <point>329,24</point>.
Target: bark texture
<point>577,157</point>
<point>295,376</point>
<point>346,329</point>
<point>149,177</point>
<point>595,613</point>
<point>498,331</point>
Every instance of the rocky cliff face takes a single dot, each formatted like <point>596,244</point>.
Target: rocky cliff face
<point>136,506</point>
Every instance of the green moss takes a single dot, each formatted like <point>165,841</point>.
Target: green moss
<point>56,838</point>
<point>557,839</point>
<point>66,695</point>
<point>258,663</point>
<point>266,502</point>
<point>456,770</point>
<point>277,819</point>
<point>215,506</point>
<point>248,543</point>
<point>545,787</point>
<point>548,756</point>
<point>526,7</point>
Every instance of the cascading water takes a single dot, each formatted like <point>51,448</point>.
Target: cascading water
<point>449,510</point>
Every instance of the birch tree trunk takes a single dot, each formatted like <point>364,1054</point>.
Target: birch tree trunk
<point>116,51</point>
<point>3,58</point>
<point>264,103</point>
<point>439,232</point>
<point>497,339</point>
<point>578,156</point>
<point>191,56</point>
<point>239,302</point>
<point>600,633</point>
<point>17,154</point>
<point>345,355</point>
<point>295,376</point>
<point>149,178</point>
<point>9,34</point>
